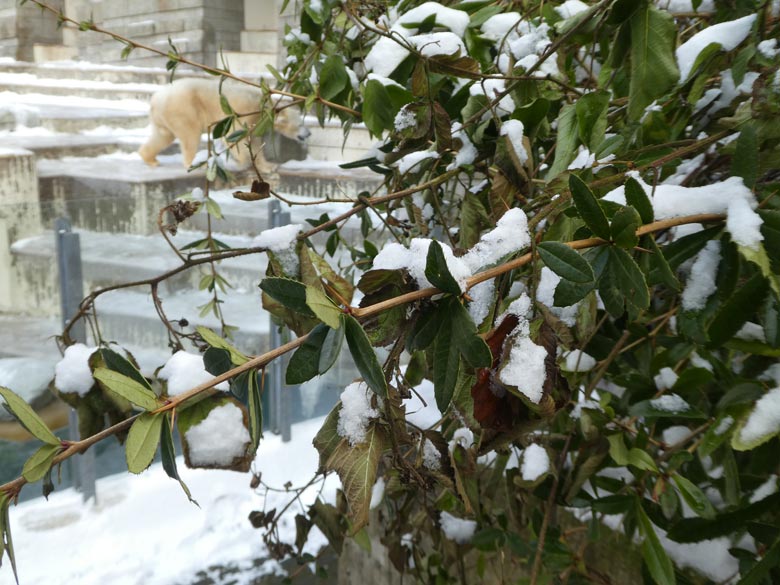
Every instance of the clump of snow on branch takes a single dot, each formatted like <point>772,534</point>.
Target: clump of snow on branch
<point>404,119</point>
<point>726,34</point>
<point>394,256</point>
<point>509,236</point>
<point>545,294</point>
<point>571,8</point>
<point>72,373</point>
<point>513,129</point>
<point>670,403</point>
<point>467,153</point>
<point>387,53</point>
<point>356,412</point>
<point>491,88</point>
<point>729,197</point>
<point>765,418</point>
<point>665,379</point>
<point>278,239</point>
<point>431,458</point>
<point>438,43</point>
<point>536,462</point>
<point>744,224</point>
<point>701,281</point>
<point>184,371</point>
<point>578,361</point>
<point>377,493</point>
<point>457,529</point>
<point>525,368</point>
<point>411,160</point>
<point>463,437</point>
<point>219,438</point>
<point>520,39</point>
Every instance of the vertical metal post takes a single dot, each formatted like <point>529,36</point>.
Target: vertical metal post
<point>279,401</point>
<point>71,293</point>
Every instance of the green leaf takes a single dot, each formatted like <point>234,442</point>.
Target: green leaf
<point>653,64</point>
<point>304,363</point>
<point>660,271</point>
<point>737,310</point>
<point>698,529</point>
<point>638,199</point>
<point>567,293</point>
<point>566,262</point>
<point>40,462</point>
<point>325,309</point>
<point>623,284</point>
<point>617,449</point>
<point>425,329</point>
<point>759,573</point>
<point>437,271</point>
<point>356,465</point>
<point>464,334</point>
<point>217,361</point>
<point>566,144</point>
<point>119,363</point>
<point>288,292</point>
<point>641,460</point>
<point>694,497</point>
<point>215,340</point>
<point>446,366</point>
<point>128,388</point>
<point>654,555</point>
<point>646,409</point>
<point>331,349</point>
<point>27,417</point>
<point>588,207</point>
<point>222,127</point>
<point>255,403</point>
<point>746,156</point>
<point>142,441</point>
<point>6,542</point>
<point>168,453</point>
<point>591,111</point>
<point>623,228</point>
<point>333,77</point>
<point>377,113</point>
<point>364,356</point>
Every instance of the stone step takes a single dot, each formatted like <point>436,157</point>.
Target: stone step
<point>109,259</point>
<point>56,145</point>
<point>95,71</point>
<point>118,193</point>
<point>24,83</point>
<point>114,193</point>
<point>130,317</point>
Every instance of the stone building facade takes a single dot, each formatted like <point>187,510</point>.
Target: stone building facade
<point>245,34</point>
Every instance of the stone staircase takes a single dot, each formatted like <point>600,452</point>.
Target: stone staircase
<point>81,125</point>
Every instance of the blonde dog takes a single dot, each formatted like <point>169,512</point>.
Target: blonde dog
<point>186,108</point>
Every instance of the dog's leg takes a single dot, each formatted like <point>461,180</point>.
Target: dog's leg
<point>159,139</point>
<point>190,141</point>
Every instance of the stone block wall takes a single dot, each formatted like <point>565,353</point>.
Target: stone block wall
<point>19,218</point>
<point>22,27</point>
<point>198,28</point>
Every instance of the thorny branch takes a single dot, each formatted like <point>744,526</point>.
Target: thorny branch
<point>13,487</point>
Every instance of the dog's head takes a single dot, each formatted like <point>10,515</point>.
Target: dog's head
<point>289,123</point>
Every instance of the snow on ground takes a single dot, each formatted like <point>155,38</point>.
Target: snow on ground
<point>143,530</point>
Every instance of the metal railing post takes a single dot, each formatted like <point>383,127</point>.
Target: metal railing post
<point>279,401</point>
<point>71,293</point>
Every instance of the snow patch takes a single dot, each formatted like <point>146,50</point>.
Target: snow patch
<point>219,438</point>
<point>72,373</point>
<point>726,34</point>
<point>185,371</point>
<point>356,412</point>
<point>536,462</point>
<point>457,529</point>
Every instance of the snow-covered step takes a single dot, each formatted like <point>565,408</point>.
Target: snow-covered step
<point>318,179</point>
<point>109,259</point>
<point>29,83</point>
<point>130,317</point>
<point>94,71</point>
<point>55,145</point>
<point>251,217</point>
<point>115,193</point>
<point>63,113</point>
